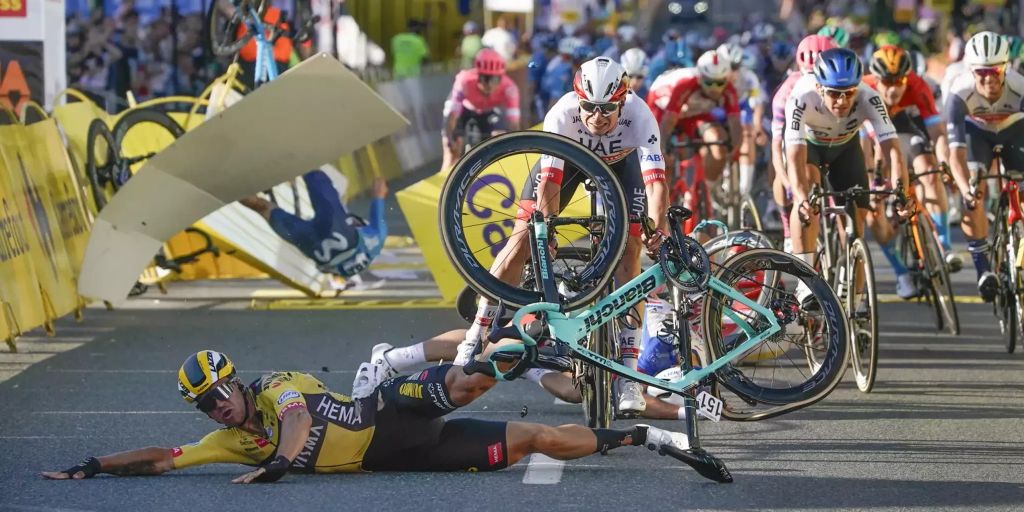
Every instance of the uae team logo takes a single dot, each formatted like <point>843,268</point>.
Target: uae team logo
<point>37,213</point>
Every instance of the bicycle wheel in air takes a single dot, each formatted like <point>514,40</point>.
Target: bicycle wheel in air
<point>775,372</point>
<point>861,303</point>
<point>938,274</point>
<point>101,162</point>
<point>222,29</point>
<point>478,210</point>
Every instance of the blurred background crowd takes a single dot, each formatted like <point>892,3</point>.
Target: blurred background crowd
<point>156,47</point>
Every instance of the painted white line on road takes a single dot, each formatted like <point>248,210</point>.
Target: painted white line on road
<point>116,412</point>
<point>31,508</point>
<point>141,370</point>
<point>543,470</point>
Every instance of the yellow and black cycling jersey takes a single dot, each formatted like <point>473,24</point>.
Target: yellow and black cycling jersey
<point>338,438</point>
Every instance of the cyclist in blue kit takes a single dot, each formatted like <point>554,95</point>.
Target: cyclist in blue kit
<point>340,243</point>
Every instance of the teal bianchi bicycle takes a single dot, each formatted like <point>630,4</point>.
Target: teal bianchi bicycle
<point>764,347</point>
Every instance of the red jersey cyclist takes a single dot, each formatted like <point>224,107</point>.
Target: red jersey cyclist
<point>695,102</point>
<point>485,94</point>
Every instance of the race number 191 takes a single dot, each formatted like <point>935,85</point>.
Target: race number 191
<point>709,406</point>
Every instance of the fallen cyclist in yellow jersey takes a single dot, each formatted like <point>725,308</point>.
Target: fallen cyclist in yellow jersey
<point>289,421</point>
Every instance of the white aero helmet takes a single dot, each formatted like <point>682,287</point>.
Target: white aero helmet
<point>634,61</point>
<point>601,80</point>
<point>712,66</point>
<point>986,49</point>
<point>732,53</point>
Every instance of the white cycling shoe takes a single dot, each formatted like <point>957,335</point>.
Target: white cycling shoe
<point>371,374</point>
<point>657,438</point>
<point>905,287</point>
<point>631,398</point>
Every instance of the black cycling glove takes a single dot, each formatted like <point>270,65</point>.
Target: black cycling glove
<point>89,467</point>
<point>274,470</point>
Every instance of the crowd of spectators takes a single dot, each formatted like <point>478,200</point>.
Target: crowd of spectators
<point>108,56</point>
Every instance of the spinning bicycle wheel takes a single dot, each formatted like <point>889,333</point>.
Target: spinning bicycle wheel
<point>774,372</point>
<point>221,28</point>
<point>478,215</point>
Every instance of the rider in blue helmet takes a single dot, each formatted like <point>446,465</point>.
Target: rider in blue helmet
<point>675,55</point>
<point>838,68</point>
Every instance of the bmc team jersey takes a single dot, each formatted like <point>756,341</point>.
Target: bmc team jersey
<point>466,95</point>
<point>809,120</point>
<point>779,102</point>
<point>637,130</point>
<point>679,91</point>
<point>338,438</point>
<point>965,105</point>
<point>917,100</point>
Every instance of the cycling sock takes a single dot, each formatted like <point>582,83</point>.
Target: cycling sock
<point>403,358</point>
<point>746,178</point>
<point>609,438</point>
<point>484,316</point>
<point>681,413</point>
<point>941,221</point>
<point>977,248</point>
<point>889,251</point>
<point>534,375</point>
<point>628,337</point>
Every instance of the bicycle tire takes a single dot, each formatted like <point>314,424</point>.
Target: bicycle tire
<point>220,31</point>
<point>596,384</point>
<point>825,377</point>
<point>938,277</point>
<point>454,195</point>
<point>750,218</point>
<point>863,342</point>
<point>124,125</point>
<point>98,129</point>
<point>1017,236</point>
<point>1004,305</point>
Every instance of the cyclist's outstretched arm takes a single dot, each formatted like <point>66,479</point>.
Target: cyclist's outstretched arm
<point>152,460</point>
<point>956,112</point>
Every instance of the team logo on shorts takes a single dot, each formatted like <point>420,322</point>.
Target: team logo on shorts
<point>495,455</point>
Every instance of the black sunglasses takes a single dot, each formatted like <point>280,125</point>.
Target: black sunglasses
<point>208,401</point>
<point>713,83</point>
<point>605,108</point>
<point>489,79</point>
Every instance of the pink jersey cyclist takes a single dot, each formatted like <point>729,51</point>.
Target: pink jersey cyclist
<point>466,95</point>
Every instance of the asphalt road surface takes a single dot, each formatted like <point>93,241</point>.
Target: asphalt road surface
<point>942,430</point>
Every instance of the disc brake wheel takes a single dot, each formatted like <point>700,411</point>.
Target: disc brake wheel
<point>858,287</point>
<point>942,296</point>
<point>774,374</point>
<point>101,162</point>
<point>480,203</point>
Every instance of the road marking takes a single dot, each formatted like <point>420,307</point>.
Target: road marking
<point>892,298</point>
<point>543,470</point>
<point>139,370</point>
<point>329,304</point>
<point>115,412</point>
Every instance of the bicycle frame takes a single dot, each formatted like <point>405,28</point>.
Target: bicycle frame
<point>570,328</point>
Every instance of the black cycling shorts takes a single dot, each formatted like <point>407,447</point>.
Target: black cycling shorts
<point>487,122</point>
<point>913,135</point>
<point>845,165</point>
<point>627,170</point>
<point>981,144</point>
<point>410,433</point>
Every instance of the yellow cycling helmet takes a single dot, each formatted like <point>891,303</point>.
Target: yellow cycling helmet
<point>890,62</point>
<point>201,371</point>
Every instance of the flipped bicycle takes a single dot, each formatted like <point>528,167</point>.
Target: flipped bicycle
<point>735,321</point>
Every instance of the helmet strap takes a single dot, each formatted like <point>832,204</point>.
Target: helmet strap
<point>247,396</point>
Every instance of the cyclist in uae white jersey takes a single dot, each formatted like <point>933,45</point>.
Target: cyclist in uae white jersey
<point>983,110</point>
<point>600,114</point>
<point>823,116</point>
